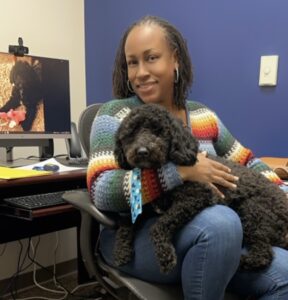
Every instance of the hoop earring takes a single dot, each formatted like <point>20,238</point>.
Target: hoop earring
<point>129,87</point>
<point>177,75</point>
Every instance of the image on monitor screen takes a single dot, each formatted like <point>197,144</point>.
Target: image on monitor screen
<point>34,97</point>
<point>34,103</point>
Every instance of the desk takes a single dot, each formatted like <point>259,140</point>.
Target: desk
<point>49,220</point>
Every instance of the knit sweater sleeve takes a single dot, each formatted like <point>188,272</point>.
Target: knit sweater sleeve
<point>110,186</point>
<point>230,148</point>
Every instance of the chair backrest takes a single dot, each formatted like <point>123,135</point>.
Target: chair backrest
<point>84,125</point>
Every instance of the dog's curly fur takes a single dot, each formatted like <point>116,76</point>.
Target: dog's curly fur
<point>27,90</point>
<point>149,137</point>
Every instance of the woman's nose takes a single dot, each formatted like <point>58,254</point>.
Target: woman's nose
<point>142,70</point>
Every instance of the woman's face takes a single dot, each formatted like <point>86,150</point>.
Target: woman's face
<point>151,64</point>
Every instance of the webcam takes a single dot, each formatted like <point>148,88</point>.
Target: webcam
<point>19,50</point>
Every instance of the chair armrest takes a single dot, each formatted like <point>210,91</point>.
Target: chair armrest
<point>81,200</point>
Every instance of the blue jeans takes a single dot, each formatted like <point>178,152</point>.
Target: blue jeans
<point>208,250</point>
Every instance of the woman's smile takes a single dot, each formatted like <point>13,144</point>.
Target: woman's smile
<point>146,87</point>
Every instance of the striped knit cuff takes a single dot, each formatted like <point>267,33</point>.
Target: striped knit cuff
<point>284,188</point>
<point>169,176</point>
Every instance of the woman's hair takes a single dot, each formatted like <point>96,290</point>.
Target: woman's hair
<point>176,42</point>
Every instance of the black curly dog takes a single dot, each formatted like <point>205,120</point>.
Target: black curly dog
<point>148,138</point>
<point>26,90</point>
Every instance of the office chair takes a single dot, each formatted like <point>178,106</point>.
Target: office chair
<point>119,285</point>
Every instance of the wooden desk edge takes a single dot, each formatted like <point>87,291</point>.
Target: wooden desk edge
<point>81,173</point>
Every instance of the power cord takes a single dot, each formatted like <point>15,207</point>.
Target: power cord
<point>62,290</point>
<point>11,285</point>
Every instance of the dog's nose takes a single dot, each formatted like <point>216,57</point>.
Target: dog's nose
<point>142,152</point>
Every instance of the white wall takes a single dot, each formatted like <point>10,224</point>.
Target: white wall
<point>53,28</point>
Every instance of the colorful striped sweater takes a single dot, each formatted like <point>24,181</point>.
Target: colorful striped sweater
<point>109,185</point>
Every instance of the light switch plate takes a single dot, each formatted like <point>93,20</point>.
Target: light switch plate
<point>268,70</point>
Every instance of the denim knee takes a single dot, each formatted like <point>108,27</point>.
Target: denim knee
<point>210,251</point>
<point>219,224</point>
<point>224,232</point>
<point>224,223</point>
<point>215,235</point>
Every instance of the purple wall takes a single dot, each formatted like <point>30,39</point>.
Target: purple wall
<point>226,39</point>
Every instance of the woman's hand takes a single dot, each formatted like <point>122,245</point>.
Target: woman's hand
<point>209,171</point>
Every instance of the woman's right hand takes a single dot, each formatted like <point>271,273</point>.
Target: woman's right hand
<point>209,171</point>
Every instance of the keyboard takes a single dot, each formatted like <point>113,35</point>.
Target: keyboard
<point>78,162</point>
<point>36,201</point>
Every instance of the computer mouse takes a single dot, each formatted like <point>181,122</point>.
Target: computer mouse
<point>47,167</point>
<point>50,167</point>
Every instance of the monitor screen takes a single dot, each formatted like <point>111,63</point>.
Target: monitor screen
<point>34,99</point>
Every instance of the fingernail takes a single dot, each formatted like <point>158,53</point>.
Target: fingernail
<point>236,178</point>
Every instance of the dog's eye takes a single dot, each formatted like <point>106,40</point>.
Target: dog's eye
<point>157,128</point>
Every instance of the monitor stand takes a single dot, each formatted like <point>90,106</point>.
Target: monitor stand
<point>46,151</point>
<point>18,162</point>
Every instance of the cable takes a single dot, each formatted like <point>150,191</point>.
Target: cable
<point>14,276</point>
<point>19,265</point>
<point>57,281</point>
<point>44,298</point>
<point>33,157</point>
<point>21,269</point>
<point>84,285</point>
<point>29,158</point>
<point>38,157</point>
<point>61,155</point>
<point>38,298</point>
<point>64,297</point>
<point>54,270</point>
<point>33,261</point>
<point>13,289</point>
<point>54,261</point>
<point>47,270</point>
<point>62,290</point>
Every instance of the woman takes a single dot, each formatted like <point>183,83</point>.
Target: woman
<point>152,65</point>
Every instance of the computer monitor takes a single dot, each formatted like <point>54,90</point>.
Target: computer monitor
<point>34,101</point>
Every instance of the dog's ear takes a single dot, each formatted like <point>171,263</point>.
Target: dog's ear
<point>183,146</point>
<point>120,155</point>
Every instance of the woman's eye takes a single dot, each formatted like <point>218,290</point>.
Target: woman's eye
<point>131,63</point>
<point>152,58</point>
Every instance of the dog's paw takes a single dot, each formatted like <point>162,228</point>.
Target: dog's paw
<point>167,258</point>
<point>122,257</point>
<point>249,262</point>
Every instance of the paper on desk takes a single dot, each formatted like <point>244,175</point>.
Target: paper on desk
<point>53,161</point>
<point>14,173</point>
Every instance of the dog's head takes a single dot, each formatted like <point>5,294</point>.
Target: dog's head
<point>150,136</point>
<point>23,75</point>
